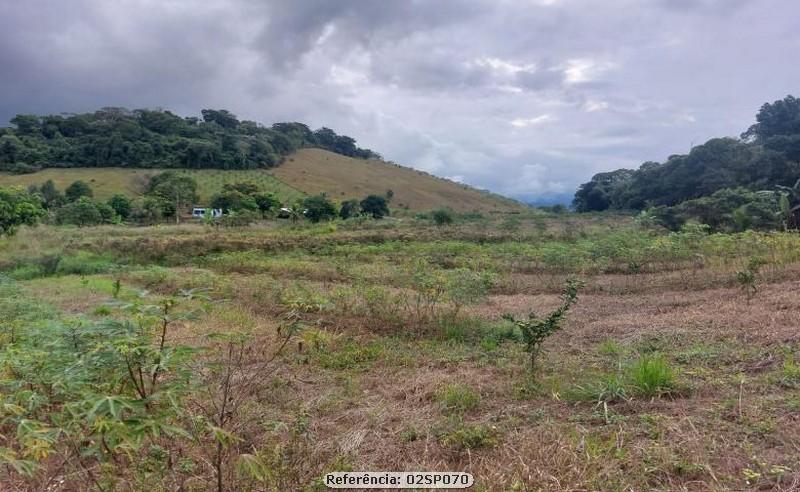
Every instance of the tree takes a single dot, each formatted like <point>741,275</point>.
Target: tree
<point>233,200</point>
<point>318,208</point>
<point>148,211</point>
<point>222,117</point>
<point>82,212</point>
<point>77,190</point>
<point>27,124</point>
<point>375,205</point>
<point>178,189</point>
<point>442,217</point>
<point>18,208</point>
<point>51,197</point>
<point>157,139</point>
<point>121,205</point>
<point>349,208</point>
<point>266,202</point>
<point>782,117</point>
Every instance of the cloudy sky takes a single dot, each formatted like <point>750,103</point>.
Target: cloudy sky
<point>524,97</point>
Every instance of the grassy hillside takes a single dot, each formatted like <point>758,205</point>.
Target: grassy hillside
<point>106,181</point>
<point>307,171</point>
<point>341,177</point>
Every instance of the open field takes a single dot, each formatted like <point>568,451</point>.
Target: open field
<point>667,374</point>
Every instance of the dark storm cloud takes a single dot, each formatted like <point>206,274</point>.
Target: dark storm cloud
<point>525,97</point>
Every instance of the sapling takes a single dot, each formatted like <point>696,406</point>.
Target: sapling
<point>748,278</point>
<point>536,330</point>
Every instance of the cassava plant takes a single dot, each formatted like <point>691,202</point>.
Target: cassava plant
<point>536,330</point>
<point>82,399</point>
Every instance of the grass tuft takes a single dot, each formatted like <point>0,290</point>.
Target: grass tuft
<point>458,398</point>
<point>652,376</point>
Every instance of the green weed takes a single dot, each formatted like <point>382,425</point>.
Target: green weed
<point>458,398</point>
<point>652,376</point>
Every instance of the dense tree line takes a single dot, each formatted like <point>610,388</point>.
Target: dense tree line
<point>723,172</point>
<point>117,137</point>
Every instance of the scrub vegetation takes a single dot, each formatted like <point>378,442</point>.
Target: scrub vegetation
<point>198,357</point>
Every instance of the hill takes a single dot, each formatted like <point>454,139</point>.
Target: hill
<point>307,171</point>
<point>340,177</point>
<point>766,156</point>
<point>108,181</point>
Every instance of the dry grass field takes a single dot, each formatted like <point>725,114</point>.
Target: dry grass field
<point>666,375</point>
<point>340,177</point>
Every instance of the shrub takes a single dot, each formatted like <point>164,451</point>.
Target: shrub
<point>535,331</point>
<point>348,209</point>
<point>18,208</point>
<point>748,277</point>
<point>458,398</point>
<point>78,189</point>
<point>121,205</point>
<point>375,205</point>
<point>442,217</point>
<point>652,376</point>
<point>85,212</point>
<point>318,208</point>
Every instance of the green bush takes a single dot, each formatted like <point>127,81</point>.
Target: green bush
<point>442,217</point>
<point>318,208</point>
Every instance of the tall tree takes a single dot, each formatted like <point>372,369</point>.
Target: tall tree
<point>178,189</point>
<point>77,190</point>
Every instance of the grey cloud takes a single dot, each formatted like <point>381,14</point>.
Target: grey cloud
<point>591,85</point>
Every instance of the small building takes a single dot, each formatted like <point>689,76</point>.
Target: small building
<point>200,212</point>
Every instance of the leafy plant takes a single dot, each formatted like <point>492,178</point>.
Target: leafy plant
<point>748,277</point>
<point>535,330</point>
<point>94,393</point>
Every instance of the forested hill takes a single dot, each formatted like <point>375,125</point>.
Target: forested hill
<point>117,137</point>
<point>765,157</point>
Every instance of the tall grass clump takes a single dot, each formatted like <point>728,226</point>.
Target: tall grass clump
<point>652,376</point>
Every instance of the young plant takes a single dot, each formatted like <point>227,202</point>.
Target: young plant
<point>535,330</point>
<point>748,278</point>
<point>235,372</point>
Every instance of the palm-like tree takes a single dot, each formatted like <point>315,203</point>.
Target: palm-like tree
<point>790,202</point>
